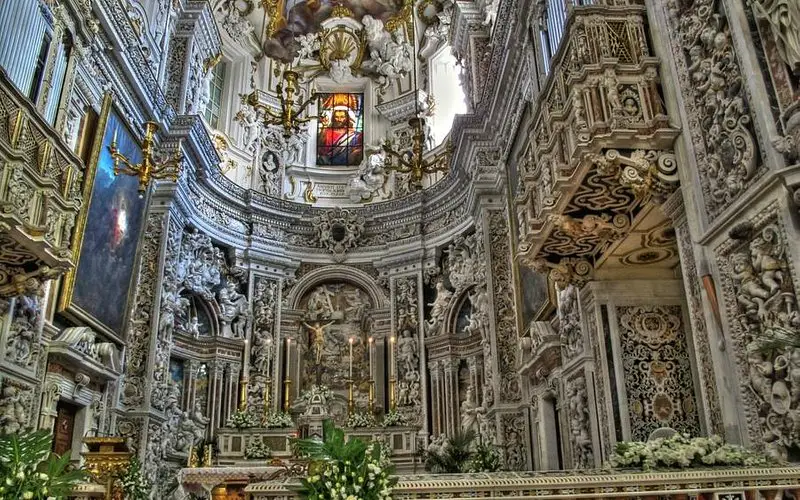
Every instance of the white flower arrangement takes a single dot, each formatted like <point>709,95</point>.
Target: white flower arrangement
<point>134,484</point>
<point>394,419</point>
<point>359,419</point>
<point>366,477</point>
<point>681,451</point>
<point>242,419</point>
<point>278,419</point>
<point>323,391</point>
<point>257,449</point>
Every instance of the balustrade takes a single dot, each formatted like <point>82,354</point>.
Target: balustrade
<point>709,484</point>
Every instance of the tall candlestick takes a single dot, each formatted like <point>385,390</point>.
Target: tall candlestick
<point>351,358</point>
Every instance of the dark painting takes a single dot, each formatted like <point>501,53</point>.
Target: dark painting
<point>535,294</point>
<point>110,237</point>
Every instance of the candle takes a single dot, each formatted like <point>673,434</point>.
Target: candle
<point>288,341</point>
<point>246,363</point>
<point>370,358</point>
<point>351,359</point>
<point>269,357</point>
<point>114,139</point>
<point>392,360</point>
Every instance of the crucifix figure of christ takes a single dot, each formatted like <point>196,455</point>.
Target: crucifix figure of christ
<point>317,338</point>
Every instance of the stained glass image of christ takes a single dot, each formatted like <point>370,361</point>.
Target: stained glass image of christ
<point>340,130</point>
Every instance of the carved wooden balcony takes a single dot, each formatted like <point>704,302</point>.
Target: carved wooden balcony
<point>40,196</point>
<point>600,148</point>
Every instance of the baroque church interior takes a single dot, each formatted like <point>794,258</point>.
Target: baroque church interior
<point>562,228</point>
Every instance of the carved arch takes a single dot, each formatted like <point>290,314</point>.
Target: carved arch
<point>337,273</point>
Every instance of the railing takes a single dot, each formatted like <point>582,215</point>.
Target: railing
<point>709,484</point>
<point>41,183</point>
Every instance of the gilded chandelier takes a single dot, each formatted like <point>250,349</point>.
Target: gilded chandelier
<point>290,115</point>
<point>149,168</point>
<point>412,161</point>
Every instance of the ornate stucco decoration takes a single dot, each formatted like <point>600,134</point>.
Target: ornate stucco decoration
<point>567,271</point>
<point>719,113</point>
<point>762,303</point>
<point>339,231</point>
<point>346,48</point>
<point>649,174</point>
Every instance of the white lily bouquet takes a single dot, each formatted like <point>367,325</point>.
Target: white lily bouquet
<point>682,451</point>
<point>242,419</point>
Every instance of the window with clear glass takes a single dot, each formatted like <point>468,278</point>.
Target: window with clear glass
<point>215,95</point>
<point>23,49</point>
<point>340,129</point>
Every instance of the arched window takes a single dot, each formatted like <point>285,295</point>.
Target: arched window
<point>217,85</point>
<point>445,87</point>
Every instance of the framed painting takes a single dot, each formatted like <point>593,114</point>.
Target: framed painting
<point>106,238</point>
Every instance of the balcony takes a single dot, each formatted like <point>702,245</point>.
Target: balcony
<point>40,196</point>
<point>600,148</point>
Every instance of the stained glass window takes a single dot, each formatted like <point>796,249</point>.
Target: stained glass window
<point>340,129</point>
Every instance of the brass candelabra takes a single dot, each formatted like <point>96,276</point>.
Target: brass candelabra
<point>289,118</point>
<point>412,161</point>
<point>149,168</point>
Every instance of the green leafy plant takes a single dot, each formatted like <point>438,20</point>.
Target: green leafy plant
<point>134,484</point>
<point>485,458</point>
<point>681,451</point>
<point>29,471</point>
<point>350,470</point>
<point>450,455</point>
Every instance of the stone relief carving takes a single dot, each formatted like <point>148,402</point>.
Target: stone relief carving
<point>719,114</point>
<point>657,371</point>
<point>138,337</point>
<point>409,397</point>
<point>569,323</point>
<point>15,407</point>
<point>762,306</point>
<point>339,231</point>
<point>579,423</point>
<point>504,309</point>
<point>264,303</point>
<point>84,340</point>
<point>22,345</point>
<point>514,451</point>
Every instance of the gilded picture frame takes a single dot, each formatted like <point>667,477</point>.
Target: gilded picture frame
<point>98,290</point>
